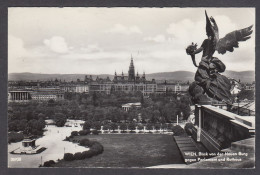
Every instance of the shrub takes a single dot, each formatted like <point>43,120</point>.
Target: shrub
<point>48,163</point>
<point>85,142</point>
<point>79,156</point>
<point>68,157</point>
<point>74,133</point>
<point>188,128</point>
<point>84,132</point>
<point>95,132</point>
<point>67,139</point>
<point>178,131</point>
<point>97,148</point>
<point>87,154</point>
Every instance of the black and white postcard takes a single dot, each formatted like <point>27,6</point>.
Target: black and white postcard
<point>131,87</point>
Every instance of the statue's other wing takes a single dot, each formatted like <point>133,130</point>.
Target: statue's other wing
<point>230,41</point>
<point>211,27</point>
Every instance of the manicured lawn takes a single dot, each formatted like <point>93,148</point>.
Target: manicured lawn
<point>130,150</point>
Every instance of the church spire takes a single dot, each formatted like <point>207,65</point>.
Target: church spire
<point>132,62</point>
<point>131,71</point>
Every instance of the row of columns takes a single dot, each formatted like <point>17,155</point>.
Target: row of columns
<point>126,108</point>
<point>19,96</point>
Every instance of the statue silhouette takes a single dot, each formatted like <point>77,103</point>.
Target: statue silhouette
<point>208,75</point>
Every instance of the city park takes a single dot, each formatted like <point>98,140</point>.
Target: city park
<point>102,116</point>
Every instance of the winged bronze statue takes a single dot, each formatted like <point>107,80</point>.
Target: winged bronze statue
<point>208,75</point>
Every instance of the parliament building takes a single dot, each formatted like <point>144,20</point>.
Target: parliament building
<point>127,83</point>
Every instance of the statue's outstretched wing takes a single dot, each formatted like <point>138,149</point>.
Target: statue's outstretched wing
<point>230,41</point>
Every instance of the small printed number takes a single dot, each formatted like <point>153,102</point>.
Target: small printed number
<point>16,159</point>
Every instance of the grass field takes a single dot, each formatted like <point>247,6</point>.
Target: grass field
<point>130,150</point>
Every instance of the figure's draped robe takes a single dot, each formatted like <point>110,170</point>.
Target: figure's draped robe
<point>214,84</point>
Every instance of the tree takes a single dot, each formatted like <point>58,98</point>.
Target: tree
<point>29,115</point>
<point>157,126</point>
<point>246,94</point>
<point>106,127</point>
<point>149,127</point>
<point>155,116</point>
<point>41,116</point>
<point>164,126</point>
<point>142,100</point>
<point>87,125</point>
<point>96,125</point>
<point>123,126</point>
<point>145,113</point>
<point>113,126</point>
<point>40,124</point>
<point>60,119</point>
<point>132,126</point>
<point>188,128</point>
<point>170,112</point>
<point>22,125</point>
<point>140,127</point>
<point>51,102</point>
<point>94,99</point>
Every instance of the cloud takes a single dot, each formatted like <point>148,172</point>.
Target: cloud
<point>121,29</point>
<point>91,48</point>
<point>16,47</point>
<point>187,30</point>
<point>195,31</point>
<point>99,40</point>
<point>57,44</point>
<point>158,38</point>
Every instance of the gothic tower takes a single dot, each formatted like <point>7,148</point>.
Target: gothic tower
<point>131,72</point>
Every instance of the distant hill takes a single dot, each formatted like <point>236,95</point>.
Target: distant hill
<point>174,76</point>
<point>244,76</point>
<point>44,77</point>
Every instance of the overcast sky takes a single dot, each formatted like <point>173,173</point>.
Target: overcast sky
<point>101,40</point>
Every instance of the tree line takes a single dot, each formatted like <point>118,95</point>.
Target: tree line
<point>97,107</point>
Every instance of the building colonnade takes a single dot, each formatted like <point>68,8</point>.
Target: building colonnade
<point>18,95</point>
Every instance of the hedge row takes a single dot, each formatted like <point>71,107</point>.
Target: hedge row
<point>84,132</point>
<point>95,148</point>
<point>48,163</point>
